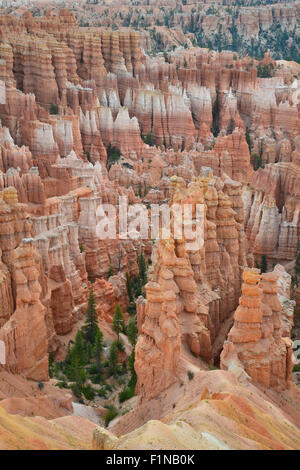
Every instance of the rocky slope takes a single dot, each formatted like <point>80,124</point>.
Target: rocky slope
<point>212,411</point>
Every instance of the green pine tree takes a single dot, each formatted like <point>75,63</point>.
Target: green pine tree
<point>76,372</point>
<point>98,350</point>
<point>118,321</point>
<point>132,330</point>
<point>90,327</point>
<point>129,288</point>
<point>78,348</point>
<point>142,268</point>
<point>133,378</point>
<point>137,286</point>
<point>89,351</point>
<point>263,264</point>
<point>113,358</point>
<point>248,139</point>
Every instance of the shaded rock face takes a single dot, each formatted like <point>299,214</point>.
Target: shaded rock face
<point>25,333</point>
<point>271,205</point>
<point>191,292</point>
<point>256,342</point>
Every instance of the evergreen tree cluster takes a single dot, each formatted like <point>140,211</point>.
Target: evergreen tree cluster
<point>265,70</point>
<point>88,366</point>
<point>85,362</point>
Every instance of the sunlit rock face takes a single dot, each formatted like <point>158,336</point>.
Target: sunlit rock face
<point>191,292</point>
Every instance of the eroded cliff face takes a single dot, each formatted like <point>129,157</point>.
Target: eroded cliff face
<point>257,344</point>
<point>92,76</point>
<point>192,291</point>
<point>272,211</point>
<point>249,28</point>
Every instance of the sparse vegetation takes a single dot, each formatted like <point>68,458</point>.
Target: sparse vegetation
<point>53,108</point>
<point>111,414</point>
<point>190,375</point>
<point>265,70</point>
<point>113,155</point>
<point>263,264</point>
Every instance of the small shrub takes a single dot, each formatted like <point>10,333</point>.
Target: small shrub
<point>108,387</point>
<point>190,375</point>
<point>62,384</point>
<point>93,369</point>
<point>113,155</point>
<point>127,165</point>
<point>126,394</point>
<point>102,393</point>
<point>110,272</point>
<point>112,412</point>
<point>97,379</point>
<point>53,108</point>
<point>88,393</point>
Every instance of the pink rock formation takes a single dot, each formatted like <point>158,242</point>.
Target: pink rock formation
<point>191,291</point>
<point>272,211</point>
<point>25,333</point>
<point>255,340</point>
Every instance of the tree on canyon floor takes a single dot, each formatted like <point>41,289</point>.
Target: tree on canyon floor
<point>113,155</point>
<point>113,358</point>
<point>256,161</point>
<point>263,264</point>
<point>129,288</point>
<point>132,331</point>
<point>53,108</point>
<point>111,413</point>
<point>118,322</point>
<point>91,324</point>
<point>231,126</point>
<point>90,369</point>
<point>98,351</point>
<point>248,139</point>
<point>148,139</point>
<point>142,268</point>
